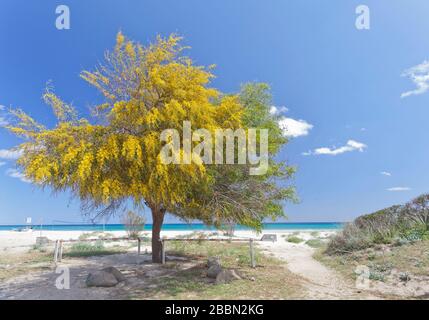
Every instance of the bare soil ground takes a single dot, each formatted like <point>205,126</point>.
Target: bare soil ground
<point>42,284</point>
<point>183,277</point>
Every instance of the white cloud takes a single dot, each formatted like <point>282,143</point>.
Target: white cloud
<point>351,145</point>
<point>399,189</point>
<point>385,173</point>
<point>3,121</point>
<point>2,163</point>
<point>418,74</point>
<point>13,173</point>
<point>277,110</point>
<point>291,128</point>
<point>294,128</point>
<point>10,154</point>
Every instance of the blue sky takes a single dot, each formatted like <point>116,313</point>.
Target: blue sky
<point>344,84</point>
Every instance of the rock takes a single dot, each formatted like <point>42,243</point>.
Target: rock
<point>116,273</point>
<point>101,279</point>
<point>41,241</point>
<point>213,261</point>
<point>213,271</point>
<point>226,276</point>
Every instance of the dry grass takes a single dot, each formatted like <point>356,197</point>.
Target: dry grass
<point>39,259</point>
<point>180,279</point>
<point>13,265</point>
<point>269,280</point>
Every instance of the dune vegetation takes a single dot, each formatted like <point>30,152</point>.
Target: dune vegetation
<point>390,247</point>
<point>396,225</point>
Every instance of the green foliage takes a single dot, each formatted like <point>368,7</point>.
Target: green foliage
<point>235,196</point>
<point>257,99</point>
<point>394,225</point>
<point>86,246</point>
<point>294,239</point>
<point>416,234</point>
<point>86,249</point>
<point>315,243</point>
<point>379,271</point>
<point>376,276</point>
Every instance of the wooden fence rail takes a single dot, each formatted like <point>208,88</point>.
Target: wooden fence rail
<point>58,251</point>
<point>250,240</point>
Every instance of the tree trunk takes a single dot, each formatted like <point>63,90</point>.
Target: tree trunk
<point>158,219</point>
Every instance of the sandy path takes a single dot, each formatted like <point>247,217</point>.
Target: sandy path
<point>319,281</point>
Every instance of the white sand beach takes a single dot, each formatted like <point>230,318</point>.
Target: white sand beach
<point>13,241</point>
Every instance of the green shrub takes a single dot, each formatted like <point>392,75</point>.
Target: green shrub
<point>394,225</point>
<point>417,211</point>
<point>416,234</point>
<point>376,276</point>
<point>315,243</point>
<point>86,246</point>
<point>350,239</point>
<point>86,249</point>
<point>294,239</point>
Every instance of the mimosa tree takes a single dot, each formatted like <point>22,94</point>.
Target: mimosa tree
<point>114,159</point>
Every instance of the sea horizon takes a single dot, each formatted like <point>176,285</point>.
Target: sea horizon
<point>176,226</point>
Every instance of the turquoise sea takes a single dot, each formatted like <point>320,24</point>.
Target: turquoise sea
<point>181,226</point>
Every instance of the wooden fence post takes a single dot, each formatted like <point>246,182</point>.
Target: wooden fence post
<point>56,252</point>
<point>139,246</point>
<point>252,254</point>
<point>61,251</point>
<point>163,251</point>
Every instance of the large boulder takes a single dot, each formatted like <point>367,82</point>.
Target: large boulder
<point>213,261</point>
<point>108,277</point>
<point>226,276</point>
<point>101,279</point>
<point>213,271</point>
<point>118,275</point>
